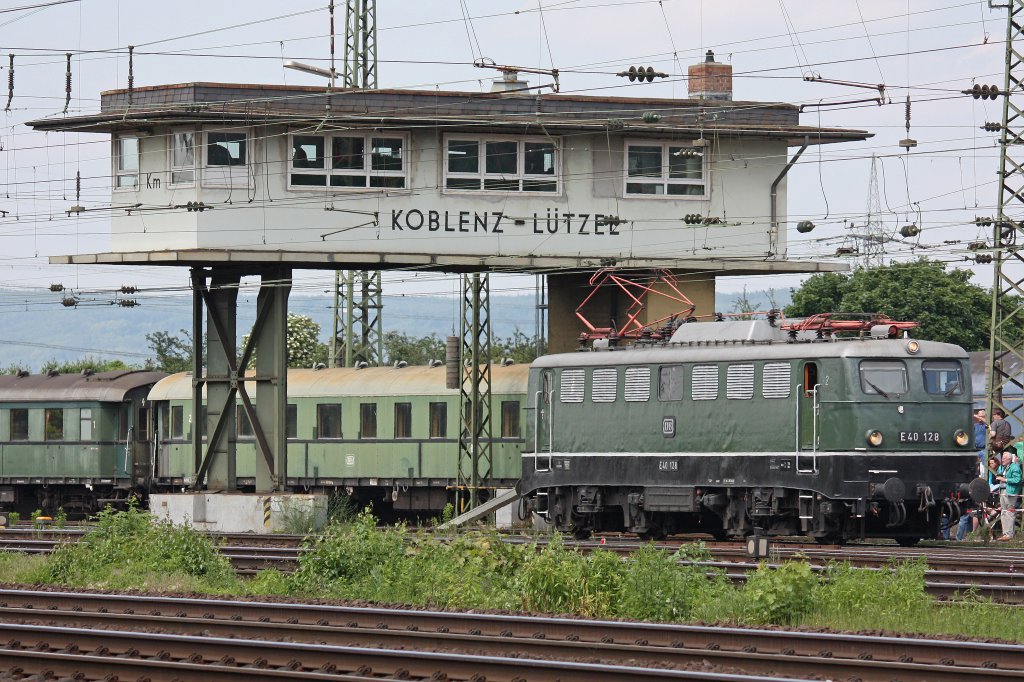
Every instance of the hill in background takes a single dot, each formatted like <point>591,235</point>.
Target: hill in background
<point>37,328</point>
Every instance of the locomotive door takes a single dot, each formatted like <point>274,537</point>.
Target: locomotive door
<point>808,407</point>
<point>543,423</point>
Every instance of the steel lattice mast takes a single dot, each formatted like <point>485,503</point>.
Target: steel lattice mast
<point>358,294</point>
<point>475,439</point>
<point>1006,354</point>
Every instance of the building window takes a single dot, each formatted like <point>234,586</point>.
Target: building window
<point>291,421</point>
<point>355,161</point>
<point>368,420</point>
<point>85,424</point>
<point>670,383</point>
<point>606,385</point>
<point>19,424</point>
<point>226,159</point>
<point>570,386</point>
<point>177,421</point>
<point>126,163</point>
<point>667,169</point>
<point>53,423</point>
<point>510,419</point>
<point>638,384</point>
<point>438,420</point>
<point>183,158</point>
<point>739,382</point>
<point>403,420</point>
<point>705,382</point>
<point>142,430</point>
<point>328,420</point>
<point>501,165</point>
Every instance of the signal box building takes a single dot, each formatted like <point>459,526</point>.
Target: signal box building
<point>508,180</point>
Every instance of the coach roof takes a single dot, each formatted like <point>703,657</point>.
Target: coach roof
<point>104,387</point>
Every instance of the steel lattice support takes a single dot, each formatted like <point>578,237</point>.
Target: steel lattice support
<point>475,442</point>
<point>224,378</point>
<point>1006,354</point>
<point>358,293</point>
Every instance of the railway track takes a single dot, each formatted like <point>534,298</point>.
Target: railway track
<point>164,638</point>
<point>996,573</point>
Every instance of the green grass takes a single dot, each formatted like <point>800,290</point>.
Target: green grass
<point>356,560</point>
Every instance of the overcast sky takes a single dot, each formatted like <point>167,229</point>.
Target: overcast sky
<point>936,48</point>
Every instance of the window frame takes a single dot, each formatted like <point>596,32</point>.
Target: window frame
<point>58,414</point>
<point>85,418</point>
<point>172,169</point>
<point>362,421</point>
<point>367,171</point>
<point>119,172</point>
<point>179,433</point>
<point>665,179</point>
<point>321,410</point>
<point>520,175</point>
<point>403,416</point>
<point>10,424</point>
<point>236,175</point>
<point>511,424</point>
<point>437,414</point>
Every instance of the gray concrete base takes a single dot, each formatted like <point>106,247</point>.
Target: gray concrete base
<point>242,512</point>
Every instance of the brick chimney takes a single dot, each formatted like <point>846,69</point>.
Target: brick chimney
<point>710,79</point>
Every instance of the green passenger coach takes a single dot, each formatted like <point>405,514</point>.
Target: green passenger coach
<point>387,435</point>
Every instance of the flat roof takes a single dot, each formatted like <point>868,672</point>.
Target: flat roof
<point>249,104</point>
<point>315,260</point>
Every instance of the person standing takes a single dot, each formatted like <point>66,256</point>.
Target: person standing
<point>999,430</point>
<point>980,436</point>
<point>1009,493</point>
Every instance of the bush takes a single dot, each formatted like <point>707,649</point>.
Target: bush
<point>779,596</point>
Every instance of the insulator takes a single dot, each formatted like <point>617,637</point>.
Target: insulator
<point>981,221</point>
<point>131,73</point>
<point>610,220</point>
<point>651,117</point>
<point>907,115</point>
<point>984,92</point>
<point>993,91</point>
<point>69,301</point>
<point>910,230</point>
<point>615,124</point>
<point>693,218</point>
<point>56,288</point>
<point>804,226</point>
<point>67,85</point>
<point>126,289</point>
<point>992,127</point>
<point>10,81</point>
<point>650,74</point>
<point>128,303</point>
<point>632,74</point>
<point>975,92</point>
<point>78,186</point>
<point>1006,233</point>
<point>975,246</point>
<point>983,258</point>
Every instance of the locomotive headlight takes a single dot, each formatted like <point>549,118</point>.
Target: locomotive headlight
<point>913,347</point>
<point>960,437</point>
<point>874,438</point>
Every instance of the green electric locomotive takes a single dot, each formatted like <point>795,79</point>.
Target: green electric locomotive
<point>735,428</point>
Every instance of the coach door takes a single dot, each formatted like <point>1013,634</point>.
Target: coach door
<point>543,423</point>
<point>807,413</point>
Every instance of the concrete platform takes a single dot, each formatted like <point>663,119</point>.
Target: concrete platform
<point>242,512</point>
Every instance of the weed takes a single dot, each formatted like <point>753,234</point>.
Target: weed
<point>60,519</point>
<point>780,596</point>
<point>13,518</point>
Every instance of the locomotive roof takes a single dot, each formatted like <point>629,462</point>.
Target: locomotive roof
<point>103,387</point>
<point>368,382</point>
<point>727,351</point>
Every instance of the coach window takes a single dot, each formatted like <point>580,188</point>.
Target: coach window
<point>368,420</point>
<point>142,431</point>
<point>438,420</point>
<point>501,165</point>
<point>53,424</point>
<point>328,420</point>
<point>942,377</point>
<point>183,158</point>
<point>126,163</point>
<point>510,419</point>
<point>242,424</point>
<point>670,383</point>
<point>669,170</point>
<point>883,377</point>
<point>85,424</point>
<point>291,421</point>
<point>177,421</point>
<point>19,423</point>
<point>226,159</point>
<point>123,417</point>
<point>403,420</point>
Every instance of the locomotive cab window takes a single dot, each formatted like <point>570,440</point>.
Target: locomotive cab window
<point>19,423</point>
<point>942,377</point>
<point>883,377</point>
<point>670,383</point>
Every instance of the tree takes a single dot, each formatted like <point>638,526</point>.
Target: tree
<point>172,353</point>
<point>304,346</point>
<point>519,347</point>
<point>88,362</point>
<point>945,303</point>
<point>415,351</point>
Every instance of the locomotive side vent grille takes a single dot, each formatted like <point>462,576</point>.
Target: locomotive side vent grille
<point>570,386</point>
<point>740,382</point>
<point>778,376</point>
<point>606,385</point>
<point>638,384</point>
<point>705,382</point>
